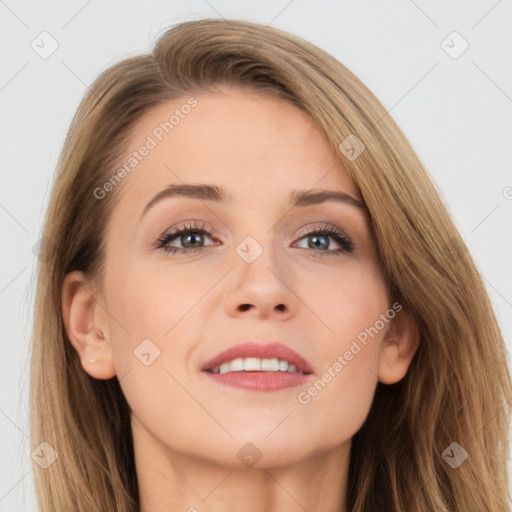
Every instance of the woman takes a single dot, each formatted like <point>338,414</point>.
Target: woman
<point>254,297</point>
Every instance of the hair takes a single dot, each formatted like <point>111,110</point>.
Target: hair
<point>458,386</point>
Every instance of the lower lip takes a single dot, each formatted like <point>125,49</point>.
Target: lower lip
<point>260,381</point>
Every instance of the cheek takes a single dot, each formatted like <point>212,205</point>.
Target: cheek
<point>148,303</point>
<point>337,401</point>
<point>151,318</point>
<point>157,314</point>
<point>356,313</point>
<point>348,301</point>
<point>336,404</point>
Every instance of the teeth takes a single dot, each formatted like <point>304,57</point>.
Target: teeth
<point>249,364</point>
<point>252,364</point>
<point>270,365</point>
<point>224,367</point>
<point>283,366</point>
<point>237,365</point>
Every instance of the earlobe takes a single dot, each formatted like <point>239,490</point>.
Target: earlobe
<point>86,326</point>
<point>398,348</point>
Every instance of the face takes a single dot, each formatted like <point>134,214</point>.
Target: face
<point>249,267</point>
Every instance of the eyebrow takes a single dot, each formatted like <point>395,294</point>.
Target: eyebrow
<point>205,192</point>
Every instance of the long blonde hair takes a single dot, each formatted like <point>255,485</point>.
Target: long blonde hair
<point>458,386</point>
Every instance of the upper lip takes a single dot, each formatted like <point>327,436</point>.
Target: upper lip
<point>262,351</point>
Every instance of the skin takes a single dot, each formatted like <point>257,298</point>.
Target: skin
<point>187,429</point>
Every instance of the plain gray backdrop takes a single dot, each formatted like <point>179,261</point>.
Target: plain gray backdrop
<point>442,69</point>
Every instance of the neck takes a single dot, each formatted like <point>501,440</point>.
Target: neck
<point>172,480</point>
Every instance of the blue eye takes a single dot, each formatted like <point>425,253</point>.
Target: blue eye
<point>189,236</point>
<point>192,239</point>
<point>319,238</point>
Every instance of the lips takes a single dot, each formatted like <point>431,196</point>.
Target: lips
<point>261,351</point>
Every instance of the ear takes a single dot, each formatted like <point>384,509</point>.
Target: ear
<point>400,343</point>
<point>86,325</point>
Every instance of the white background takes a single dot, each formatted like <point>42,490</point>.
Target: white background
<point>456,112</point>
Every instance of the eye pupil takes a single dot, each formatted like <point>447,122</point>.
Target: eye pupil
<point>188,238</point>
<point>324,243</point>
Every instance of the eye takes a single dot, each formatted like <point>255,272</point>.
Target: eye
<point>191,238</point>
<point>319,238</point>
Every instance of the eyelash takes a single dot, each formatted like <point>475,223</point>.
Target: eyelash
<point>347,246</point>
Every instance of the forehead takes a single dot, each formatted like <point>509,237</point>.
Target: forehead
<point>256,146</point>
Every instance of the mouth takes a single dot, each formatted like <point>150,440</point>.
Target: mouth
<point>255,366</point>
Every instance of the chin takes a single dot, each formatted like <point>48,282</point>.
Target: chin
<point>274,451</point>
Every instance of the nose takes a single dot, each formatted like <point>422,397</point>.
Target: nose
<point>261,288</point>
